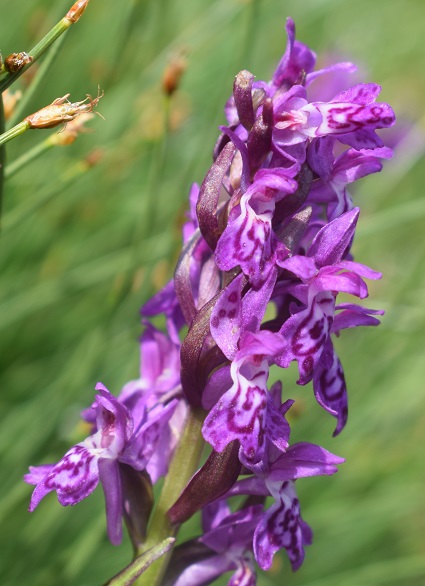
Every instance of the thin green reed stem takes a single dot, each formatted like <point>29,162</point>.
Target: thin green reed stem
<point>36,82</point>
<point>14,132</point>
<point>27,208</point>
<point>185,462</point>
<point>250,36</point>
<point>28,157</point>
<point>2,153</point>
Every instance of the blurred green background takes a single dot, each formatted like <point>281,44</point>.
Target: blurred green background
<point>83,247</point>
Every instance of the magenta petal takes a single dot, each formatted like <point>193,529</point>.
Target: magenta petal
<point>281,527</point>
<point>248,241</point>
<point>353,316</point>
<point>343,283</point>
<point>143,443</point>
<point>332,241</point>
<point>362,93</point>
<point>74,478</point>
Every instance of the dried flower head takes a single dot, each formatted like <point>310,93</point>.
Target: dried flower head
<point>173,73</point>
<point>62,111</point>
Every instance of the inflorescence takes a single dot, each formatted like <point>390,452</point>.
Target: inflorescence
<point>266,251</point>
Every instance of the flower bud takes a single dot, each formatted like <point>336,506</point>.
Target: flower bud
<point>16,61</point>
<point>173,73</point>
<point>76,10</point>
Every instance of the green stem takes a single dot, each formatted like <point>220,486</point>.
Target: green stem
<point>27,208</point>
<point>6,78</point>
<point>2,153</point>
<point>25,159</point>
<point>184,464</point>
<point>14,132</point>
<point>36,82</point>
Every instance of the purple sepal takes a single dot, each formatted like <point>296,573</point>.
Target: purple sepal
<point>332,241</point>
<point>296,59</point>
<point>345,66</point>
<point>302,460</point>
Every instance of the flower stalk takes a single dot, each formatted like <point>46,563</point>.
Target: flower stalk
<point>2,152</point>
<point>182,467</point>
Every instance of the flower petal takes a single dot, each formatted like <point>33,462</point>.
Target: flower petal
<point>74,478</point>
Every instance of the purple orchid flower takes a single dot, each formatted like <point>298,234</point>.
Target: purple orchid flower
<point>159,380</point>
<point>228,537</point>
<point>281,525</point>
<point>246,412</point>
<point>116,441</point>
<point>248,240</point>
<point>323,273</point>
<point>328,380</point>
<point>351,116</point>
<point>336,174</point>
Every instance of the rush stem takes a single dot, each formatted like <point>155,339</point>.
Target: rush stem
<point>14,132</point>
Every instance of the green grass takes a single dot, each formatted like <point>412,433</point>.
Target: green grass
<point>81,250</point>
